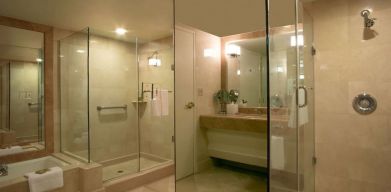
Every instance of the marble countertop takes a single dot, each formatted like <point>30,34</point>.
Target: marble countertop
<point>239,122</point>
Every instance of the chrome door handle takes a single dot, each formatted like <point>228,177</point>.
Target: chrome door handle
<point>305,96</point>
<point>189,105</point>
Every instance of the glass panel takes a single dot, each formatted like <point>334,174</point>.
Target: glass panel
<point>156,69</point>
<point>5,101</point>
<point>292,79</point>
<point>283,74</point>
<point>306,101</point>
<point>113,96</point>
<point>73,61</point>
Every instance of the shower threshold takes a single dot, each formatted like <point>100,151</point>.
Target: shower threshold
<point>128,165</point>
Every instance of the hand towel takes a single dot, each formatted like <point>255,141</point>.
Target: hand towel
<point>277,153</point>
<point>156,104</point>
<point>164,102</point>
<point>11,150</point>
<point>50,180</point>
<point>303,111</point>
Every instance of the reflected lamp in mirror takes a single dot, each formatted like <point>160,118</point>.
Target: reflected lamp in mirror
<point>153,60</point>
<point>232,50</point>
<point>300,39</point>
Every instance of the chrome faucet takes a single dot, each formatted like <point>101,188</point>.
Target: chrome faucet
<point>3,170</point>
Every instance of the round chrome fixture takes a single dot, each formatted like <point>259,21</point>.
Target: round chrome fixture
<point>364,104</point>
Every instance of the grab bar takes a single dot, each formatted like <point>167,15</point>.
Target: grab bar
<point>32,104</point>
<point>112,107</point>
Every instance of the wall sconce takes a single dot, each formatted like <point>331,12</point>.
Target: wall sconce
<point>300,38</point>
<point>153,60</point>
<point>232,50</point>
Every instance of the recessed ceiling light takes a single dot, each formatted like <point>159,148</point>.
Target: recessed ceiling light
<point>121,31</point>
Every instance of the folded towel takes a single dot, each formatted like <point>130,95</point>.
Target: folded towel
<point>164,101</point>
<point>49,180</point>
<point>11,150</point>
<point>159,104</point>
<point>277,153</point>
<point>156,107</point>
<point>303,111</point>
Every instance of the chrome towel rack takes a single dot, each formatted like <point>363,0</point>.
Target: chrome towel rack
<point>99,108</point>
<point>32,104</point>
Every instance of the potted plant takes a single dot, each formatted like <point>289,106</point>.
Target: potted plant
<point>222,96</point>
<point>233,107</point>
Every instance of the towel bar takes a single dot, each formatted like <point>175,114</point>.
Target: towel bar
<point>112,107</point>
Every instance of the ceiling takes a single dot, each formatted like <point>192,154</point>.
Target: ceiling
<point>146,19</point>
<point>229,17</point>
<point>151,19</point>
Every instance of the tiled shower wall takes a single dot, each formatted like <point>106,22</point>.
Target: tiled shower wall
<point>353,150</point>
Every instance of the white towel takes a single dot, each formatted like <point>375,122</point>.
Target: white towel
<point>156,107</point>
<point>303,111</point>
<point>50,180</point>
<point>11,150</point>
<point>277,153</point>
<point>159,104</point>
<point>164,101</point>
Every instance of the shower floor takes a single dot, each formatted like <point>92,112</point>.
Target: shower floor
<point>128,167</point>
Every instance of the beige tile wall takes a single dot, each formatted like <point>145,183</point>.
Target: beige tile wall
<point>354,151</point>
<point>208,81</point>
<point>112,82</point>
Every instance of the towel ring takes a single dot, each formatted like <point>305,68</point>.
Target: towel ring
<point>364,104</point>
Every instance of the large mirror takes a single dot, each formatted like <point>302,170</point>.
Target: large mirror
<point>246,69</point>
<point>22,88</point>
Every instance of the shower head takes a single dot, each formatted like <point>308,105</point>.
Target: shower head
<point>368,22</point>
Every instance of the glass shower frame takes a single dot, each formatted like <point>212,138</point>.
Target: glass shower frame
<point>102,99</point>
<point>294,141</point>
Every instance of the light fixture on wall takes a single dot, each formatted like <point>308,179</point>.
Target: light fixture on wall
<point>39,60</point>
<point>280,69</point>
<point>153,60</point>
<point>232,50</point>
<point>120,31</point>
<point>300,39</point>
<point>210,52</point>
<point>80,51</point>
<point>238,72</point>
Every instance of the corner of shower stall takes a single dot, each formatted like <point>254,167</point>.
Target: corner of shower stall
<point>108,92</point>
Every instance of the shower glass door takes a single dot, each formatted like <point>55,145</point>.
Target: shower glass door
<point>73,64</point>
<point>291,104</point>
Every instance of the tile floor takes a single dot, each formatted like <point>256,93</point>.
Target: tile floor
<point>216,179</point>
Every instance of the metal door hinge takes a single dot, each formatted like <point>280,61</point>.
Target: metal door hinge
<point>313,51</point>
<point>314,160</point>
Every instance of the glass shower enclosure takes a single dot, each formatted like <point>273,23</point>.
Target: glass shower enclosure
<point>291,82</point>
<point>109,101</point>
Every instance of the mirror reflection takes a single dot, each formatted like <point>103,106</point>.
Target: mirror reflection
<point>21,90</point>
<point>246,62</point>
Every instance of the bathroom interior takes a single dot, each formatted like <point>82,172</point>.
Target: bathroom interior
<point>195,96</point>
